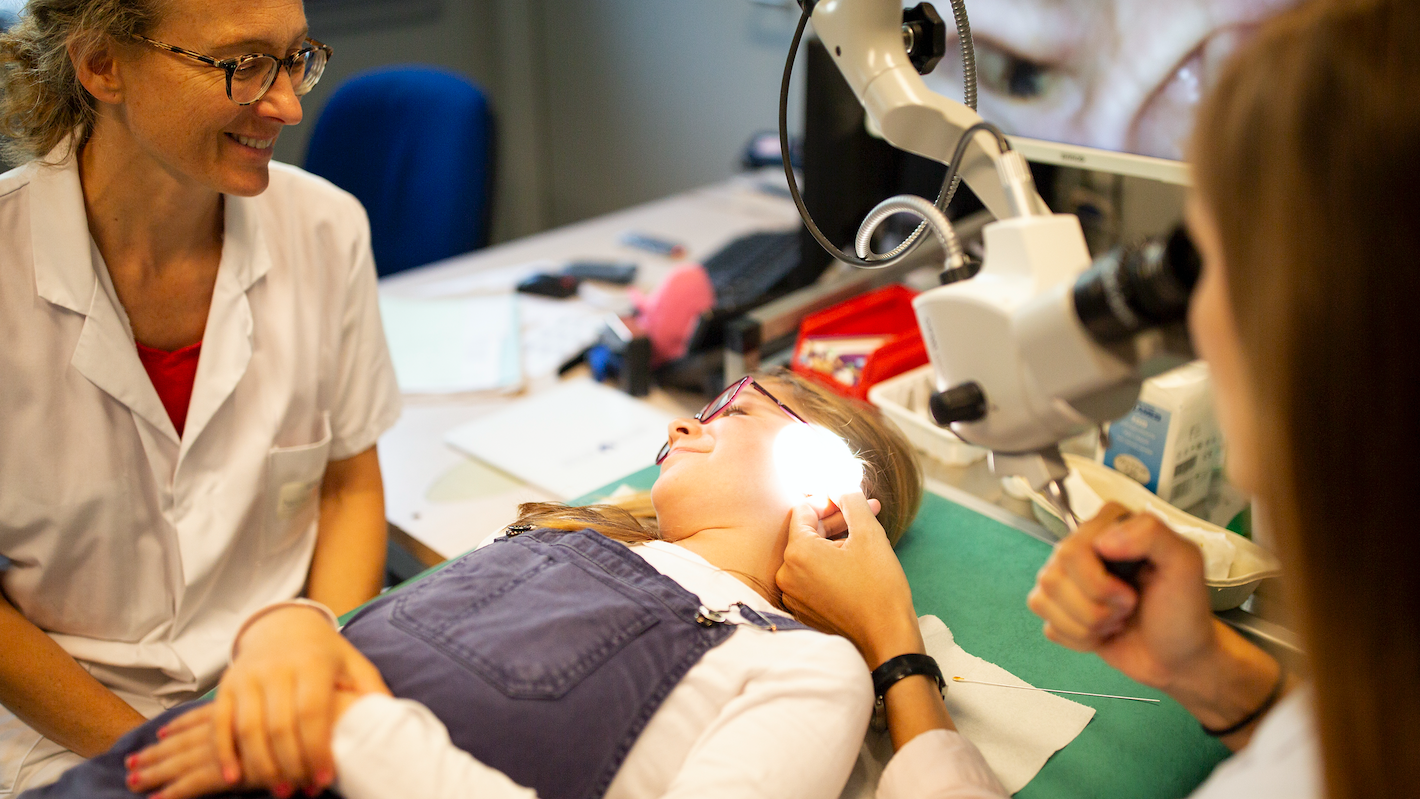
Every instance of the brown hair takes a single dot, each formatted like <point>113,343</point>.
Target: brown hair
<point>1308,159</point>
<point>891,473</point>
<point>41,99</point>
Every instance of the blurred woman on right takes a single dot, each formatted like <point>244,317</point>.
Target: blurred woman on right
<point>1307,165</point>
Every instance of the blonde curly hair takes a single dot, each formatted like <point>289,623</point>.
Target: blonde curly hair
<point>41,99</point>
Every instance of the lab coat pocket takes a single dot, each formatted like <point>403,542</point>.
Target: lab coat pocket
<point>293,478</point>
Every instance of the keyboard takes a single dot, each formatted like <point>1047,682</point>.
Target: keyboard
<point>745,270</point>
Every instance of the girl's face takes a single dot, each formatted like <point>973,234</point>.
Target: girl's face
<point>176,111</point>
<point>722,473</point>
<point>1118,75</point>
<point>1215,336</point>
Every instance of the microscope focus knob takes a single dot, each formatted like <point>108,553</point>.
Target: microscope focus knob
<point>963,403</point>
<point>925,37</point>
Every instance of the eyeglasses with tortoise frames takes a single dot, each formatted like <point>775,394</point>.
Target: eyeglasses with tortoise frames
<point>249,77</point>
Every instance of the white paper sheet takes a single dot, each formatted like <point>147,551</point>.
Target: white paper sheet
<point>444,346</point>
<point>554,331</point>
<point>567,440</point>
<point>1016,731</point>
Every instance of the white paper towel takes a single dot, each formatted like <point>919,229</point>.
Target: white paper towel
<point>1016,731</point>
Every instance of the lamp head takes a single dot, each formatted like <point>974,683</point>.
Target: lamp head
<point>812,461</point>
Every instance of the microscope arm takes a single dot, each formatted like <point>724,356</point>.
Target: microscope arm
<point>866,41</point>
<point>1033,349</point>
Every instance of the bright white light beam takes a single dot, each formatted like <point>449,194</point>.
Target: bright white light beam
<point>813,461</point>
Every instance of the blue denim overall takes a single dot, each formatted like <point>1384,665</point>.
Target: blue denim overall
<point>545,653</point>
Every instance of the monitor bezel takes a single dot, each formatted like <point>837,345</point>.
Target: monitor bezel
<point>1096,160</point>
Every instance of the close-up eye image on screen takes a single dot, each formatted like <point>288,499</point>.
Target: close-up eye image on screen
<point>1114,75</point>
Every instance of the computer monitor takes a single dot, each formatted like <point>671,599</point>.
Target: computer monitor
<point>1103,85</point>
<point>9,12</point>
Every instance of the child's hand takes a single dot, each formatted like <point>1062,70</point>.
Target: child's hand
<point>184,763</point>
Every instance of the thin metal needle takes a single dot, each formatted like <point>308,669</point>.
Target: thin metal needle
<point>1056,492</point>
<point>1054,690</point>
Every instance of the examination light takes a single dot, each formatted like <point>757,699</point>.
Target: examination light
<point>813,461</point>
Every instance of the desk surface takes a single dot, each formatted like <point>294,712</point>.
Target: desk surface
<point>444,502</point>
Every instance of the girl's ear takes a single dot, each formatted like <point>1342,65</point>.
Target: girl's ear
<point>833,522</point>
<point>97,70</point>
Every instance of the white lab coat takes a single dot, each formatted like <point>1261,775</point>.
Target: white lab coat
<point>137,551</point>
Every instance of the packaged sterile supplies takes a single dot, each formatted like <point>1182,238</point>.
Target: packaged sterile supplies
<point>1218,551</point>
<point>1170,442</point>
<point>1233,565</point>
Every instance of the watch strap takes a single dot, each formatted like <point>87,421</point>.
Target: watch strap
<point>894,669</point>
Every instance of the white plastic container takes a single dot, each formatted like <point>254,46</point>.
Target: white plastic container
<point>1170,442</point>
<point>903,399</point>
<point>1251,564</point>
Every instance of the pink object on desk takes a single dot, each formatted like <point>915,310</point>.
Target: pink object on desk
<point>670,314</point>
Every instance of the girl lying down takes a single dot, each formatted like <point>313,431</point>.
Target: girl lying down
<point>584,652</point>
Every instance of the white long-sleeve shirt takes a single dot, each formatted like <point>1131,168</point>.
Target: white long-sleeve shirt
<point>764,714</point>
<point>1281,762</point>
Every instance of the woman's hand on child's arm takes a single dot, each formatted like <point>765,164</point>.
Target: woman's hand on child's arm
<point>271,725</point>
<point>185,763</point>
<point>275,705</point>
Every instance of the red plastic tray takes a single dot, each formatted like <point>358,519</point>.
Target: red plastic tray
<point>884,312</point>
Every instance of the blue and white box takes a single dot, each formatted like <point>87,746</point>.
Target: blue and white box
<point>1170,442</point>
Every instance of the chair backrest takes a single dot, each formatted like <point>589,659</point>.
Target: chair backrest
<point>415,145</point>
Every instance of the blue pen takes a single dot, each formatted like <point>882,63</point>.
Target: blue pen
<point>641,241</point>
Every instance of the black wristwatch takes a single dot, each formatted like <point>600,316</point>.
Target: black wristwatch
<point>900,667</point>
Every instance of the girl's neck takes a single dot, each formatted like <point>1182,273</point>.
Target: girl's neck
<point>752,556</point>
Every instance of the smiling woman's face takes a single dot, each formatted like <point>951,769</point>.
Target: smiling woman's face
<point>722,473</point>
<point>1115,74</point>
<point>176,110</point>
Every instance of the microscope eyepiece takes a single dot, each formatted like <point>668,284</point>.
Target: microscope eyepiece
<point>1138,287</point>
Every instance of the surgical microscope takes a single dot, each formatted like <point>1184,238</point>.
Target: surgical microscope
<point>1036,343</point>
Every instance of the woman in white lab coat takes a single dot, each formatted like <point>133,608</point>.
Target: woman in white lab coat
<point>193,374</point>
<point>1307,161</point>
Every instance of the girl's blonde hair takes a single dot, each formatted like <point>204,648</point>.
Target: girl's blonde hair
<point>41,99</point>
<point>891,473</point>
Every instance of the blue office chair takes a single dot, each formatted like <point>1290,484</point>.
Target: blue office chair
<point>415,145</point>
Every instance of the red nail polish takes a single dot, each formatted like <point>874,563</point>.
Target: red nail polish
<point>231,775</point>
<point>162,733</point>
<point>325,778</point>
<point>281,790</point>
<point>129,761</point>
<point>133,780</point>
